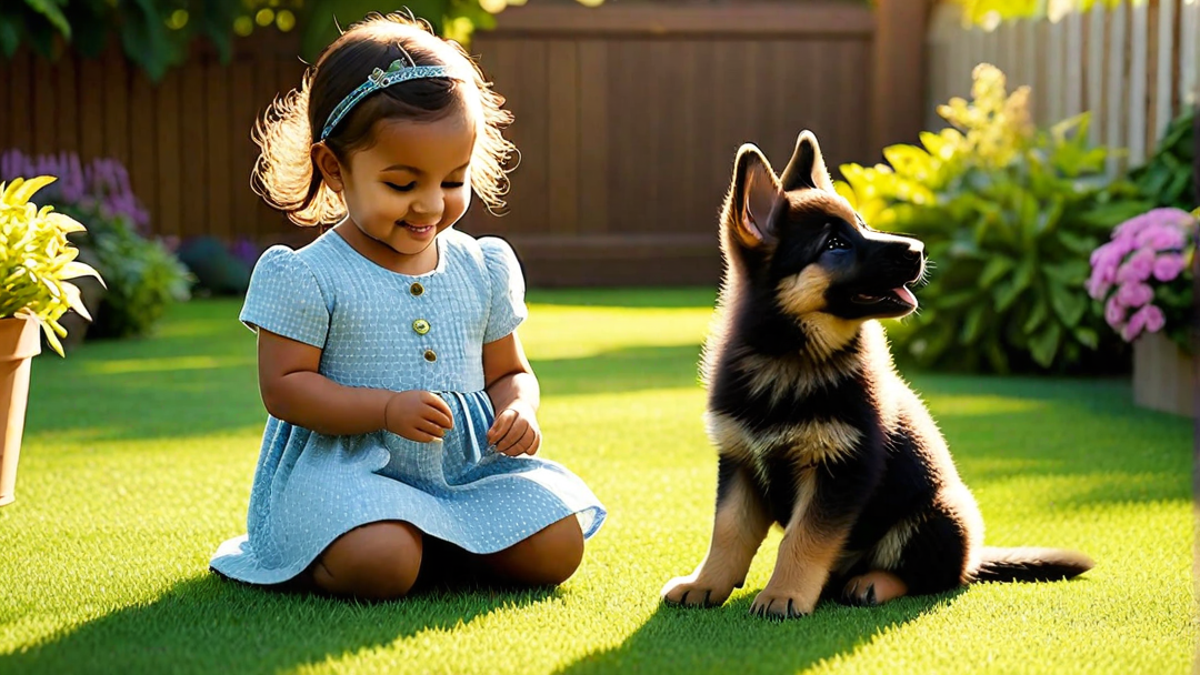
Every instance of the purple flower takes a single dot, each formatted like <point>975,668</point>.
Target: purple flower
<point>1137,268</point>
<point>1151,317</point>
<point>1134,294</point>
<point>1161,237</point>
<point>1168,266</point>
<point>1114,312</point>
<point>1134,328</point>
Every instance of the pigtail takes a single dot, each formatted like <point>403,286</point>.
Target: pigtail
<point>285,175</point>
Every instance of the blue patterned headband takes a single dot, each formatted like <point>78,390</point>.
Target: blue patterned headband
<point>399,71</point>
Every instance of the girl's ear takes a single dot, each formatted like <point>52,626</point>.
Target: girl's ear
<point>329,166</point>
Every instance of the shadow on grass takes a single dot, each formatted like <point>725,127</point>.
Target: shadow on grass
<point>210,625</point>
<point>728,640</point>
<point>702,297</point>
<point>201,389</point>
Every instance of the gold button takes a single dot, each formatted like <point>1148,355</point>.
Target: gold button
<point>416,289</point>
<point>430,356</point>
<point>421,326</point>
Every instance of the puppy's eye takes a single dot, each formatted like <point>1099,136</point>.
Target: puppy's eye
<point>836,243</point>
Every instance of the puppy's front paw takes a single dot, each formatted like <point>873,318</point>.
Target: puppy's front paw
<point>692,592</point>
<point>771,604</point>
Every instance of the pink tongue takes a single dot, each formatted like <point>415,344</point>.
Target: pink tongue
<point>906,295</point>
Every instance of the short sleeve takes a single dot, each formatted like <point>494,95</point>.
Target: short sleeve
<point>508,288</point>
<point>284,298</point>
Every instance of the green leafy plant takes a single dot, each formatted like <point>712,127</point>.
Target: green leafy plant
<point>1168,176</point>
<point>157,34</point>
<point>37,261</point>
<point>144,278</point>
<point>1009,214</point>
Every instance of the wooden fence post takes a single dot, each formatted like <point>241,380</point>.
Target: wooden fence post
<point>899,79</point>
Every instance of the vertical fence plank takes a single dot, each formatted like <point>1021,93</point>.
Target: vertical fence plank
<point>138,132</point>
<point>1095,72</point>
<point>1074,56</point>
<point>1189,51</point>
<point>20,102</point>
<point>1054,90</point>
<point>1164,67</point>
<point>1138,75</point>
<point>1115,87</point>
<point>91,107</point>
<point>219,164</point>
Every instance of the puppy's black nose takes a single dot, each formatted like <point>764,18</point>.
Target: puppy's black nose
<point>914,253</point>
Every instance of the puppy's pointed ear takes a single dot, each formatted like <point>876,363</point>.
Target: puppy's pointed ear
<point>806,169</point>
<point>754,196</point>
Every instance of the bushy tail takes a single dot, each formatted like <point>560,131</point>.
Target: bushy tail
<point>1030,564</point>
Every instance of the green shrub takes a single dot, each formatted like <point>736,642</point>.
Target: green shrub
<point>144,278</point>
<point>1168,177</point>
<point>1009,215</point>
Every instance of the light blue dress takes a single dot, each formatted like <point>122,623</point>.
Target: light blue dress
<point>392,331</point>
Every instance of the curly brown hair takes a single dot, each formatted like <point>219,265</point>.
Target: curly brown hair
<point>285,174</point>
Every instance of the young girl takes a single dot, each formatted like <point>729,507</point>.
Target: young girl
<point>402,408</point>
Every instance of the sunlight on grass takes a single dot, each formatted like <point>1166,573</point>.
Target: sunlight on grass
<point>139,455</point>
<point>983,405</point>
<point>126,366</point>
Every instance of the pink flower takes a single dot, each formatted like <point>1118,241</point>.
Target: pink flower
<point>1134,294</point>
<point>1152,317</point>
<point>1161,237</point>
<point>1097,287</point>
<point>1114,312</point>
<point>1168,266</point>
<point>1134,328</point>
<point>1137,268</point>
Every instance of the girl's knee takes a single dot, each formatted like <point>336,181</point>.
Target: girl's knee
<point>547,558</point>
<point>379,561</point>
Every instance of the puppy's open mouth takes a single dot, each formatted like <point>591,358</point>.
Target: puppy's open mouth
<point>899,297</point>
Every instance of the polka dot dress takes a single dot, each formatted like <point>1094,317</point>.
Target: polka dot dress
<point>385,330</point>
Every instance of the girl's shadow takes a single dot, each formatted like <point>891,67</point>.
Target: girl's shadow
<point>212,625</point>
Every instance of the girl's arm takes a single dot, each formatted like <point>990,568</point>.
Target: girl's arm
<point>294,391</point>
<point>515,394</point>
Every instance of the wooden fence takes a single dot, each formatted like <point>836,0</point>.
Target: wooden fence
<point>627,118</point>
<point>1134,66</point>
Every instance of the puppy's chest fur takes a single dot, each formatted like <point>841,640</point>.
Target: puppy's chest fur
<point>789,412</point>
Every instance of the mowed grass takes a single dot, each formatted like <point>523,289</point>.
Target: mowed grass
<point>138,458</point>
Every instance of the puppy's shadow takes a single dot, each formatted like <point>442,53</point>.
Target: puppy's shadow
<point>729,640</point>
<point>212,625</point>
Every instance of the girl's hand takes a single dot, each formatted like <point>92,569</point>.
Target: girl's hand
<point>515,430</point>
<point>419,416</point>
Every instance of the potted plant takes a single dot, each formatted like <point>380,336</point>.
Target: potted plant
<point>36,263</point>
<point>1144,276</point>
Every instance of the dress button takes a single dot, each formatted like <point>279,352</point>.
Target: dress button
<point>416,288</point>
<point>421,326</point>
<point>430,355</point>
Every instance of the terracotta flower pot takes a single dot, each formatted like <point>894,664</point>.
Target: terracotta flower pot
<point>1162,375</point>
<point>20,341</point>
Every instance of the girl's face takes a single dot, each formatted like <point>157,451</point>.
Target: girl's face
<point>411,184</point>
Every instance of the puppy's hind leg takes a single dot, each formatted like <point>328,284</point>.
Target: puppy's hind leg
<point>739,528</point>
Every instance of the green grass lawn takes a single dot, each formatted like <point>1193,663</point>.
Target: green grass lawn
<point>138,458</point>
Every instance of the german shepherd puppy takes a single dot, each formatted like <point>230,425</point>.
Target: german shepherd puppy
<point>815,429</point>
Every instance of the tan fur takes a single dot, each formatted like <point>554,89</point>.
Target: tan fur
<point>811,443</point>
<point>828,333</point>
<point>739,528</point>
<point>820,201</point>
<point>803,293</point>
<point>806,554</point>
<point>886,554</point>
<point>875,588</point>
<point>782,377</point>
